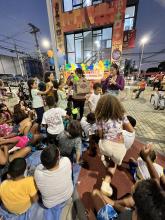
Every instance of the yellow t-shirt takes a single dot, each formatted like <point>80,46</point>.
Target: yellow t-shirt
<point>16,194</point>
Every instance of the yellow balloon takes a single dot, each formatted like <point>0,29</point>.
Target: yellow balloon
<point>101,65</point>
<point>73,67</point>
<point>50,53</point>
<point>83,66</point>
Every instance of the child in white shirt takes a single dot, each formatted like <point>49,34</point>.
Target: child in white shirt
<point>139,170</point>
<point>94,97</point>
<point>53,118</point>
<point>37,100</point>
<point>89,136</point>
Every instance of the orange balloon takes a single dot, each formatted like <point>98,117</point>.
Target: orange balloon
<point>50,53</point>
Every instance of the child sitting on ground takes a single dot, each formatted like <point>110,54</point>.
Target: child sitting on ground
<point>5,114</point>
<point>139,169</point>
<point>18,192</point>
<point>69,141</point>
<point>4,158</point>
<point>20,141</point>
<point>26,134</point>
<point>94,97</point>
<point>54,179</point>
<point>5,130</point>
<point>28,111</point>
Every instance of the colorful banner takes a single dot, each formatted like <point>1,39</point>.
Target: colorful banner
<point>102,65</point>
<point>98,71</point>
<point>118,27</point>
<point>91,75</point>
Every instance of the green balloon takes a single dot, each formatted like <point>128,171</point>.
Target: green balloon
<point>76,78</point>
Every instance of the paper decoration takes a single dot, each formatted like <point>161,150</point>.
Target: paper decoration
<point>68,67</point>
<point>91,67</point>
<point>76,78</point>
<point>79,66</point>
<point>83,66</point>
<point>102,65</point>
<point>50,53</point>
<point>73,67</point>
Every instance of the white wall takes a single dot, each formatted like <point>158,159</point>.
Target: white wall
<point>10,65</point>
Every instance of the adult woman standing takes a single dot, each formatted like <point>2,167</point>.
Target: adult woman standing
<point>80,89</point>
<point>114,82</point>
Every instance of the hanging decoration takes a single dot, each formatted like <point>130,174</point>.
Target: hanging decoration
<point>75,77</point>
<point>102,65</point>
<point>73,67</point>
<point>68,67</point>
<point>83,66</point>
<point>50,53</point>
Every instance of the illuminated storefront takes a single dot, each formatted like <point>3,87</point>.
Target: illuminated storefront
<point>92,30</point>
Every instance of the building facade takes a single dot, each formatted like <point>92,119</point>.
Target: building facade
<point>91,30</point>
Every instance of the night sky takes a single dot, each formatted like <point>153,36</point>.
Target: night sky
<point>16,14</point>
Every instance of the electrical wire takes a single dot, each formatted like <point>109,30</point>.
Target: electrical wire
<point>13,50</point>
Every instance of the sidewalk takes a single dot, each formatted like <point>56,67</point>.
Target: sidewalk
<point>150,123</point>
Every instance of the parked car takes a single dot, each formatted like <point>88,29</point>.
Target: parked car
<point>11,79</point>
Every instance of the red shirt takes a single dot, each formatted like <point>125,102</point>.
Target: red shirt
<point>142,85</point>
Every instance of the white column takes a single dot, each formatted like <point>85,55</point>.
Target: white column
<point>53,35</point>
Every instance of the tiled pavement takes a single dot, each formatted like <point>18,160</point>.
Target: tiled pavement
<point>150,123</point>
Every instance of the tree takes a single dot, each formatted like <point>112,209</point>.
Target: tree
<point>152,70</point>
<point>161,66</point>
<point>129,66</point>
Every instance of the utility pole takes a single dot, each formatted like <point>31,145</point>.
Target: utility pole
<point>34,31</point>
<point>141,59</point>
<point>18,58</point>
<point>53,35</point>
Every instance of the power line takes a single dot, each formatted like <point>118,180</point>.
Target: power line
<point>7,38</point>
<point>155,54</point>
<point>18,45</point>
<point>137,54</point>
<point>13,50</point>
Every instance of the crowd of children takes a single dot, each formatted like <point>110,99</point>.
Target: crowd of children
<point>57,127</point>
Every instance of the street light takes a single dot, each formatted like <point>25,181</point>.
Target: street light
<point>45,43</point>
<point>143,41</point>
